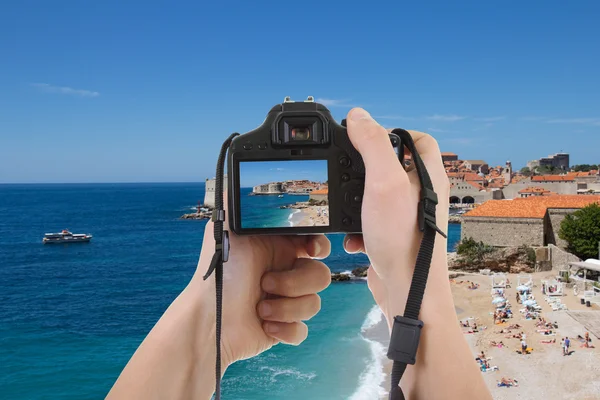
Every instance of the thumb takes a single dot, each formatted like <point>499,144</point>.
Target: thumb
<point>373,143</point>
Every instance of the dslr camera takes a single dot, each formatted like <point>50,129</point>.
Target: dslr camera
<point>297,173</point>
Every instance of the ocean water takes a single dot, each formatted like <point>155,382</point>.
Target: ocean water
<point>264,212</point>
<point>72,315</point>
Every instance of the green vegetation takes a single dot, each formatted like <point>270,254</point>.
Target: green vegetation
<point>526,171</point>
<point>473,252</point>
<point>584,167</point>
<point>581,230</point>
<point>529,252</point>
<point>547,170</point>
<point>565,276</point>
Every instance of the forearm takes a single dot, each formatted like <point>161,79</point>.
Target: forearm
<point>176,360</point>
<point>445,368</point>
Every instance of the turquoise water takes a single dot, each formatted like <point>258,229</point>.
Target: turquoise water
<point>71,316</point>
<point>263,211</point>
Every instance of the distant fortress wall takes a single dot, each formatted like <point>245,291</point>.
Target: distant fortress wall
<point>209,192</point>
<point>269,188</point>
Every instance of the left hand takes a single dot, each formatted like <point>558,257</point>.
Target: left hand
<point>270,286</point>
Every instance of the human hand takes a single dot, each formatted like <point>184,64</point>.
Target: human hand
<point>391,237</point>
<point>270,286</point>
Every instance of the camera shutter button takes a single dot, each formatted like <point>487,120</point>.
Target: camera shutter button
<point>344,161</point>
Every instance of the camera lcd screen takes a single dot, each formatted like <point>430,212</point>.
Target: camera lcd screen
<point>284,194</point>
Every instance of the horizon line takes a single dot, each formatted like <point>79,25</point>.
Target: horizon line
<point>98,183</point>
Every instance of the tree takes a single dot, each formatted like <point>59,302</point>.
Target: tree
<point>581,230</point>
<point>584,167</point>
<point>546,169</point>
<point>473,252</point>
<point>526,171</point>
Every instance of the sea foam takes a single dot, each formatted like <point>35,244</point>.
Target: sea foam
<point>370,382</point>
<point>292,372</point>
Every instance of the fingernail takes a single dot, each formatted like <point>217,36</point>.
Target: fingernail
<point>264,309</point>
<point>268,284</point>
<point>346,240</point>
<point>358,114</point>
<point>271,328</point>
<point>317,248</point>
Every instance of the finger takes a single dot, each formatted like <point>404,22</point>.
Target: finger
<point>354,244</point>
<point>373,143</point>
<point>306,277</point>
<point>294,333</point>
<point>314,246</point>
<point>290,309</point>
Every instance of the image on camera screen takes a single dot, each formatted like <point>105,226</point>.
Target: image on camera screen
<point>284,194</point>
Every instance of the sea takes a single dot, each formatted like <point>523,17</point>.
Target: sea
<point>72,315</point>
<point>265,211</point>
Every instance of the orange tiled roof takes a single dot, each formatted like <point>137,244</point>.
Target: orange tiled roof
<point>552,178</point>
<point>320,191</point>
<point>578,174</point>
<point>534,189</point>
<point>445,153</point>
<point>530,207</point>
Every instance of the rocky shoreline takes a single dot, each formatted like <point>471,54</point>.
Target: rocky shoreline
<point>512,260</point>
<point>303,204</point>
<point>358,273</point>
<point>204,212</point>
<point>454,219</point>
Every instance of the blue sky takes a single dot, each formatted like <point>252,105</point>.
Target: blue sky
<point>260,172</point>
<point>126,91</point>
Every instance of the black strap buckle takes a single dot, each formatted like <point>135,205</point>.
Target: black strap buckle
<point>224,246</point>
<point>426,213</point>
<point>218,215</point>
<point>404,342</point>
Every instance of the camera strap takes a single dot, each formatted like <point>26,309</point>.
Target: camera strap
<point>406,330</point>
<point>221,255</point>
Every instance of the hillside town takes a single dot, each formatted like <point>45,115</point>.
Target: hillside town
<point>518,208</point>
<point>303,186</point>
<point>474,181</point>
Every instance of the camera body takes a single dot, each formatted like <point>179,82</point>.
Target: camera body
<point>297,173</point>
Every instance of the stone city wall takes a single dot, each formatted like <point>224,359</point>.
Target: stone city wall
<point>503,232</point>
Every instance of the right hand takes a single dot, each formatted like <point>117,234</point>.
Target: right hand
<point>390,236</point>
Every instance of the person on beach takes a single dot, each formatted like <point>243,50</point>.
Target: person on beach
<point>566,345</point>
<point>271,286</point>
<point>523,346</point>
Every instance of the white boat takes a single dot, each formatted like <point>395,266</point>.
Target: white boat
<point>66,237</point>
<point>280,195</point>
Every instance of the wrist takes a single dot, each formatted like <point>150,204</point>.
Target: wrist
<point>201,299</point>
<point>437,306</point>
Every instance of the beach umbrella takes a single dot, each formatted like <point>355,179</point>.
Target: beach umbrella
<point>498,300</point>
<point>528,303</point>
<point>523,288</point>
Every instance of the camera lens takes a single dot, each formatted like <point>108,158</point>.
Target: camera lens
<point>300,133</point>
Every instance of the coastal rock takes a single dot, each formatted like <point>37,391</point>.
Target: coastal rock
<point>512,260</point>
<point>360,272</point>
<point>340,277</point>
<point>203,215</point>
<point>454,219</point>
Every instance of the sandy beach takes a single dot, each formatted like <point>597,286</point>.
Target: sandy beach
<point>545,373</point>
<point>309,216</point>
